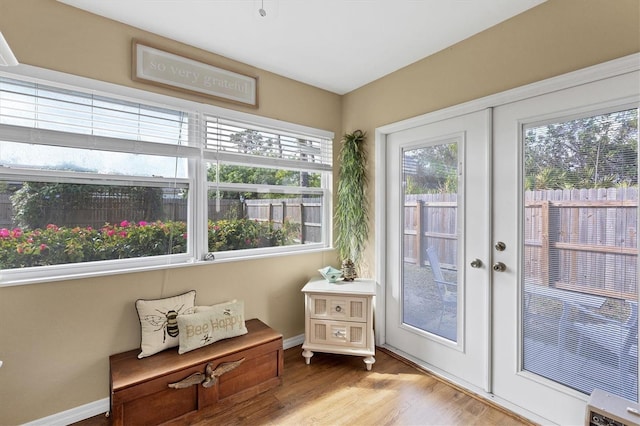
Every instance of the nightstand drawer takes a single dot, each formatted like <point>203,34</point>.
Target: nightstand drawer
<point>339,333</point>
<point>338,307</point>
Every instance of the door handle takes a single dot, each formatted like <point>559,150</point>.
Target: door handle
<point>499,267</point>
<point>476,263</point>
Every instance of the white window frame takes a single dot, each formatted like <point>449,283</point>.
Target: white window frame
<point>197,210</point>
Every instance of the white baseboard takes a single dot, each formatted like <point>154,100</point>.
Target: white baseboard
<point>102,406</point>
<point>73,415</point>
<point>293,341</point>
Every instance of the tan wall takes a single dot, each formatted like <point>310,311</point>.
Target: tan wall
<point>55,338</point>
<point>554,38</point>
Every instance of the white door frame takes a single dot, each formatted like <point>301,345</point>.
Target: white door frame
<point>605,70</point>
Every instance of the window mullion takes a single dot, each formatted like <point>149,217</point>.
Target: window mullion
<point>198,200</point>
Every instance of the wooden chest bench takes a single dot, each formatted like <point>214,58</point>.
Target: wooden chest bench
<point>140,391</point>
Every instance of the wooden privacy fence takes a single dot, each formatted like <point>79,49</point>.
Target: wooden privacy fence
<point>306,212</point>
<point>582,239</point>
<point>6,211</point>
<point>431,220</point>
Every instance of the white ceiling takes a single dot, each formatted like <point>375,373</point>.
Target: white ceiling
<point>337,45</point>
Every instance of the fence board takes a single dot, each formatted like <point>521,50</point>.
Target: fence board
<point>588,236</point>
<point>116,209</point>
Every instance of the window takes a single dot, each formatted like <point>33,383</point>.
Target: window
<point>92,183</point>
<point>266,182</point>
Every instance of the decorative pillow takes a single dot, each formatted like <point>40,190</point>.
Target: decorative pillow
<point>210,324</point>
<point>158,321</point>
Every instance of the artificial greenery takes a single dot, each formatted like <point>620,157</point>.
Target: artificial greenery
<point>351,215</point>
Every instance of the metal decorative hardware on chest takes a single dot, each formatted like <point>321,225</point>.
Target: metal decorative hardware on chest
<point>339,319</point>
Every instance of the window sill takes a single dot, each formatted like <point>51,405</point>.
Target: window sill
<point>17,279</point>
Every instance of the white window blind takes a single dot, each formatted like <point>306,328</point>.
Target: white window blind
<point>65,117</point>
<point>237,142</point>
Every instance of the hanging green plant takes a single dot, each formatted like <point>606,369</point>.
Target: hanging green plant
<point>351,215</point>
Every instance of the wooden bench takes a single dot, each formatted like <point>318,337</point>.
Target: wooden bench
<point>153,390</point>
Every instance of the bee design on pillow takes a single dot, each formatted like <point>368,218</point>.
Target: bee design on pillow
<point>167,321</point>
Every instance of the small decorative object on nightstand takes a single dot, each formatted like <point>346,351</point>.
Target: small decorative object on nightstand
<point>339,318</point>
<point>330,274</point>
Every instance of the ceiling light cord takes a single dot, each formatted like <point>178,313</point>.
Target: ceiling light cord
<point>261,11</point>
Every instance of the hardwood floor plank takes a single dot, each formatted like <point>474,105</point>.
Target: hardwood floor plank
<point>337,390</point>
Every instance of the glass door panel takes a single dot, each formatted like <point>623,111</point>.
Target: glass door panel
<point>429,274</point>
<point>580,252</point>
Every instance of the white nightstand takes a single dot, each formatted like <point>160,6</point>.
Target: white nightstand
<point>339,318</point>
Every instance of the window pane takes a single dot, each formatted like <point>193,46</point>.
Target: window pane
<point>243,220</point>
<point>44,157</point>
<point>262,176</point>
<point>240,140</point>
<point>430,246</point>
<point>580,256</point>
<point>60,223</point>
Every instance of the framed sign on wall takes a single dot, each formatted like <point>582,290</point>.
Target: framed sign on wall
<point>155,66</point>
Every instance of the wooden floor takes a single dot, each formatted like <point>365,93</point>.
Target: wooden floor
<point>337,390</point>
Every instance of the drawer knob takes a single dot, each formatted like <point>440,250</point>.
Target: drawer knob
<point>338,308</point>
<point>340,333</point>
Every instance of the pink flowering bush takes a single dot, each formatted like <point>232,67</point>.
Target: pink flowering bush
<point>55,245</point>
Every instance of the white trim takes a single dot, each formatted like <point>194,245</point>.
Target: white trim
<point>101,406</point>
<point>488,380</point>
<point>19,134</point>
<point>294,341</point>
<point>8,280</point>
<point>380,235</point>
<point>73,415</point>
<point>267,189</point>
<point>7,58</point>
<point>37,175</point>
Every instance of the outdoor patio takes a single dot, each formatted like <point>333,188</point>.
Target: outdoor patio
<point>422,306</point>
<point>582,370</point>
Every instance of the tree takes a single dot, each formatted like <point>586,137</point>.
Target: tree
<point>257,143</point>
<point>37,204</point>
<point>431,169</point>
<point>590,152</point>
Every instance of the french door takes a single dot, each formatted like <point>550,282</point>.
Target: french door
<point>438,206</point>
<point>565,198</point>
<point>511,246</point>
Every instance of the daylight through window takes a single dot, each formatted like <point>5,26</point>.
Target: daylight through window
<point>91,183</point>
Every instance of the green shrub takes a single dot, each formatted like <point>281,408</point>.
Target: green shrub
<point>54,245</point>
<point>237,234</point>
